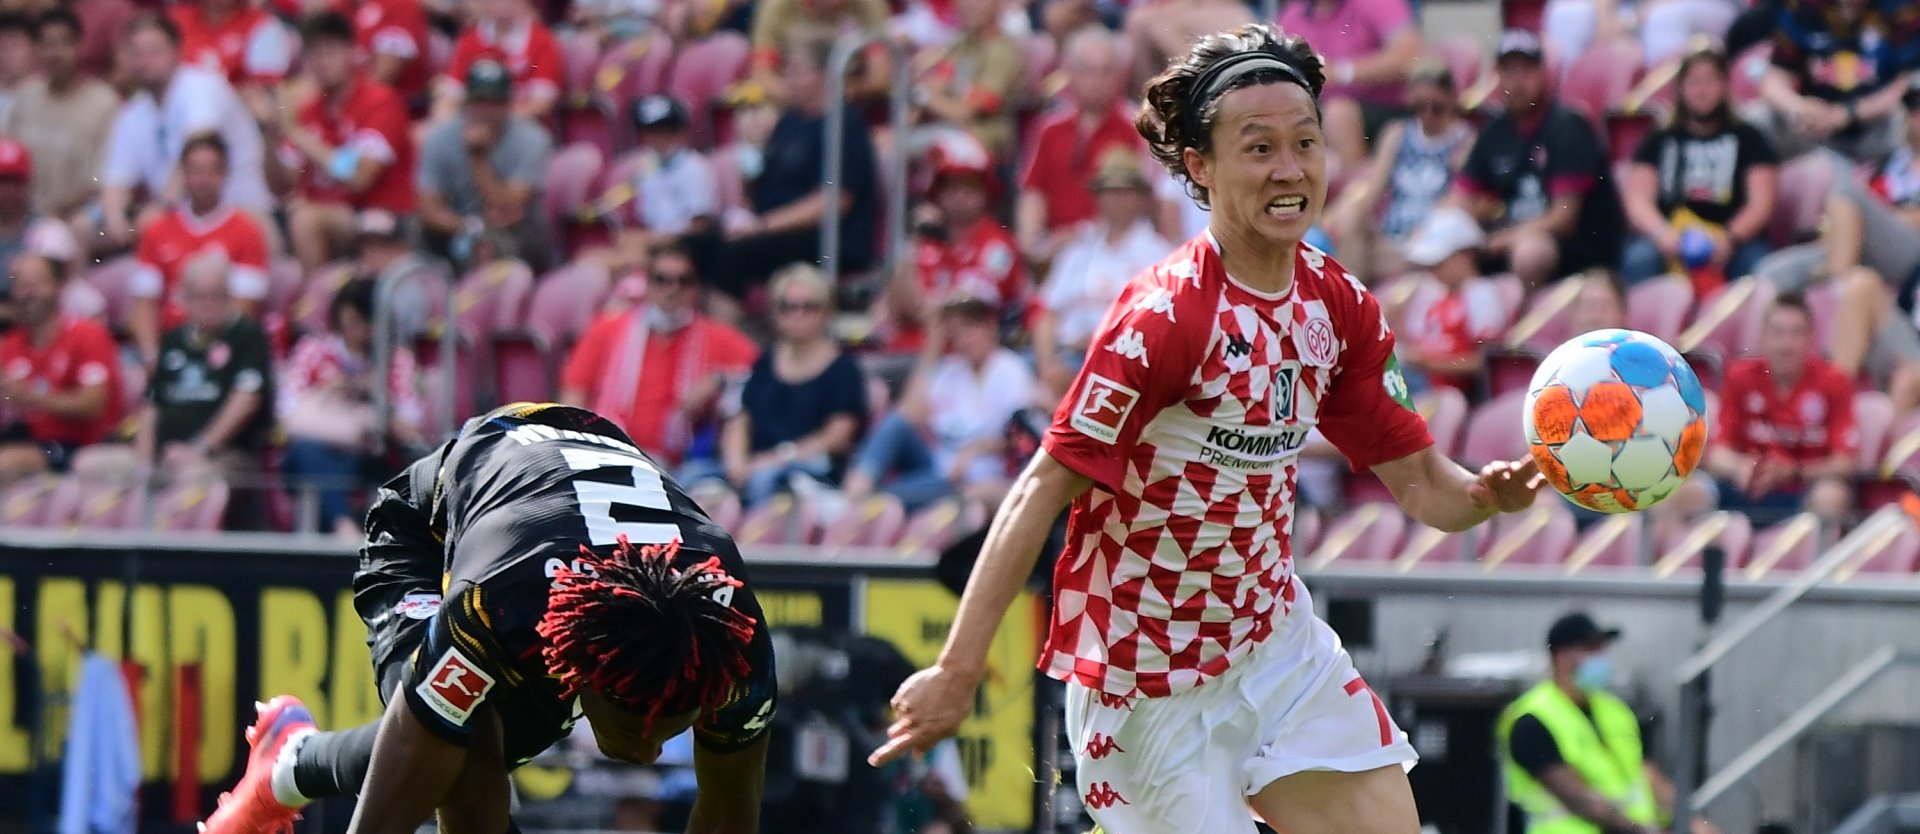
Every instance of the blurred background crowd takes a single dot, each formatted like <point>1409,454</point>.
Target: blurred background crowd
<point>835,260</point>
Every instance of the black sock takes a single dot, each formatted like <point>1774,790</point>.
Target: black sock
<point>334,764</point>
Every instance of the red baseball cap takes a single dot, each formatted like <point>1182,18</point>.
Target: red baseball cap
<point>15,160</point>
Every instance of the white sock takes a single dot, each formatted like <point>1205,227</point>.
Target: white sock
<point>284,789</point>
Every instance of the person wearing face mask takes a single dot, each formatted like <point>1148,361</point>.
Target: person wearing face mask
<point>658,370</point>
<point>1573,750</point>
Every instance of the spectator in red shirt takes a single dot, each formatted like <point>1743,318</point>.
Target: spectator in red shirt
<point>235,37</point>
<point>1447,340</point>
<point>1785,439</point>
<point>200,223</point>
<point>60,374</point>
<point>349,146</point>
<point>962,249</point>
<point>392,35</point>
<point>659,369</point>
<point>1068,143</point>
<point>507,31</point>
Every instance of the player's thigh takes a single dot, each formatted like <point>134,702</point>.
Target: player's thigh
<point>480,799</point>
<point>1160,766</point>
<point>1377,801</point>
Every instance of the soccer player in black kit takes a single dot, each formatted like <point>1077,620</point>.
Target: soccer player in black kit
<point>533,570</point>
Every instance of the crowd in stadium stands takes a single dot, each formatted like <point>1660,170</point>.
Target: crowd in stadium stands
<point>210,209</point>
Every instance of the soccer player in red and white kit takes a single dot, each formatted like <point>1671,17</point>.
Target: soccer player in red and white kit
<point>1199,680</point>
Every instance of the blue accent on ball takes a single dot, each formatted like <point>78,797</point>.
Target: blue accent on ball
<point>1689,385</point>
<point>1640,364</point>
<point>1606,338</point>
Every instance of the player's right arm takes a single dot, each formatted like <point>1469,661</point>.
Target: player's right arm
<point>411,773</point>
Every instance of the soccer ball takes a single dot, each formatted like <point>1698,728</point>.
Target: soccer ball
<point>1616,420</point>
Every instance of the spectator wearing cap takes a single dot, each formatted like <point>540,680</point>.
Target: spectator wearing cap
<point>1069,142</point>
<point>973,83</point>
<point>780,25</point>
<point>200,223</point>
<point>1706,177</point>
<point>805,400</point>
<point>946,434</point>
<point>174,103</point>
<point>1370,48</point>
<point>508,33</point>
<point>1573,753</point>
<point>1446,341</point>
<point>348,147</point>
<point>960,248</point>
<point>59,374</point>
<point>676,194</point>
<point>1838,72</point>
<point>481,170</point>
<point>1089,273</point>
<point>16,58</point>
<point>1538,179</point>
<point>325,406</point>
<point>1413,165</point>
<point>63,117</point>
<point>237,38</point>
<point>788,196</point>
<point>659,369</point>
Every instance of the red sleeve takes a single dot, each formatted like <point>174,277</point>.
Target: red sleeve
<point>1727,431</point>
<point>1571,185</point>
<point>1114,397</point>
<point>734,352</point>
<point>546,69</point>
<point>1843,438</point>
<point>97,359</point>
<point>1359,416</point>
<point>587,359</point>
<point>250,246</point>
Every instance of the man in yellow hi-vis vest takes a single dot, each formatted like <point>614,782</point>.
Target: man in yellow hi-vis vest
<point>1572,750</point>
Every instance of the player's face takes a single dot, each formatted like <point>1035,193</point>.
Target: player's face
<point>623,735</point>
<point>1266,176</point>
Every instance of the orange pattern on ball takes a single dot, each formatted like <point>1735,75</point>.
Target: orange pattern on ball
<point>1693,445</point>
<point>1553,414</point>
<point>1551,467</point>
<point>1604,498</point>
<point>1610,411</point>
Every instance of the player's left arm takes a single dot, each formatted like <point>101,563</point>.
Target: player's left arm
<point>1369,417</point>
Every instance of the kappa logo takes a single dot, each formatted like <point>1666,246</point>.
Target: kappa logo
<point>1103,408</point>
<point>1158,300</point>
<point>455,687</point>
<point>1238,347</point>
<point>1102,746</point>
<point>1116,701</point>
<point>1102,796</point>
<point>1130,344</point>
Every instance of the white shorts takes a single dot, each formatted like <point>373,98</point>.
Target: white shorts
<point>1187,763</point>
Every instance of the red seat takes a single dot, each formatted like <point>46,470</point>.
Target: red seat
<point>719,501</point>
<point>191,506</point>
<point>781,520</point>
<point>581,51</point>
<point>1366,534</point>
<point>1511,370</point>
<point>27,503</point>
<point>113,280</point>
<point>99,505</point>
<point>1306,530</point>
<point>1522,14</point>
<point>1726,317</point>
<point>593,121</point>
<point>490,300</point>
<point>1599,80</point>
<point>1464,57</point>
<point>875,521</point>
<point>1660,306</point>
<point>701,72</point>
<point>566,300</point>
<point>1625,132</point>
<point>1544,324</point>
<point>1892,554</point>
<point>1614,543</point>
<point>311,308</point>
<point>1872,422</point>
<point>1784,547</point>
<point>633,70</point>
<point>1679,550</point>
<point>1543,535</point>
<point>933,527</point>
<point>571,174</point>
<point>1446,411</point>
<point>1494,431</point>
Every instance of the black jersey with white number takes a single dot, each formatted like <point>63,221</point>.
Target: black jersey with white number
<point>506,504</point>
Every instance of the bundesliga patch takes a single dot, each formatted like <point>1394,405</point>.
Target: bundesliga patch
<point>1103,408</point>
<point>455,687</point>
<point>418,606</point>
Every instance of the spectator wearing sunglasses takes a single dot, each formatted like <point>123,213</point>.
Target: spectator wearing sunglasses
<point>1413,166</point>
<point>805,400</point>
<point>659,368</point>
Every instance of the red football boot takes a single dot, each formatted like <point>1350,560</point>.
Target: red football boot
<point>250,808</point>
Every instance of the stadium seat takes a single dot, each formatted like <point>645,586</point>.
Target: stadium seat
<point>191,506</point>
<point>1544,324</point>
<point>1660,306</point>
<point>594,121</point>
<point>719,501</point>
<point>1494,431</point>
<point>1786,546</point>
<point>1679,551</point>
<point>1366,534</point>
<point>285,277</point>
<point>1465,57</point>
<point>580,49</point>
<point>1446,411</point>
<point>1872,492</point>
<point>571,175</point>
<point>634,70</point>
<point>490,300</point>
<point>1306,530</point>
<point>1903,447</point>
<point>27,503</point>
<point>1513,295</point>
<point>1613,543</point>
<point>1725,317</point>
<point>1040,56</point>
<point>313,305</point>
<point>701,72</point>
<point>1892,554</point>
<point>113,279</point>
<point>1600,78</point>
<point>1802,201</point>
<point>876,521</point>
<point>1625,130</point>
<point>100,505</point>
<point>566,300</point>
<point>933,527</point>
<point>1872,422</point>
<point>781,520</point>
<point>1522,14</point>
<point>1511,370</point>
<point>1541,535</point>
<point>1363,488</point>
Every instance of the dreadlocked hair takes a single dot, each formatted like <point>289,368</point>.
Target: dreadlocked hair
<point>630,626</point>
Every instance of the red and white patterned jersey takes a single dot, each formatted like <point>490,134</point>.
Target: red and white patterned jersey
<point>1189,415</point>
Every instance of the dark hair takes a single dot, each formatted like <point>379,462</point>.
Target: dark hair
<point>158,23</point>
<point>1164,119</point>
<point>647,636</point>
<point>58,268</point>
<point>1792,301</point>
<point>16,22</point>
<point>1723,112</point>
<point>327,26</point>
<point>1433,74</point>
<point>672,247</point>
<point>210,141</point>
<point>58,16</point>
<point>357,296</point>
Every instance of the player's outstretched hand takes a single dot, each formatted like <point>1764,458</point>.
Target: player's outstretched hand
<point>928,708</point>
<point>1507,486</point>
